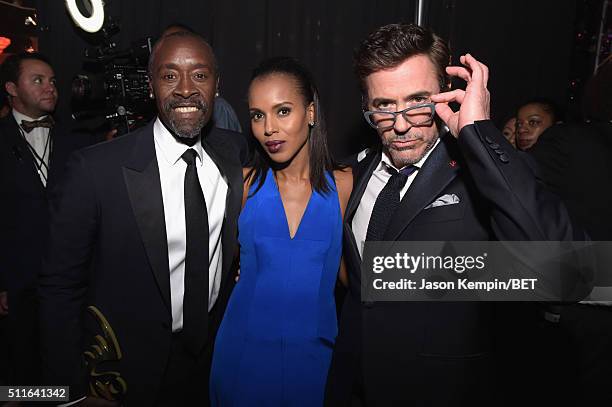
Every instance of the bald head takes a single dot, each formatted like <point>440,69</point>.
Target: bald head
<point>173,36</point>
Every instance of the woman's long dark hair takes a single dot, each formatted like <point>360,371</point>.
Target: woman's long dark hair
<point>320,159</point>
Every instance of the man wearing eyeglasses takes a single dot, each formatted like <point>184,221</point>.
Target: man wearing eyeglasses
<point>438,175</point>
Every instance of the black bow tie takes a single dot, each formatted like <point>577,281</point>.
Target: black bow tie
<point>28,126</point>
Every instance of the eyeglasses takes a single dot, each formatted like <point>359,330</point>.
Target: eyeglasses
<point>418,115</point>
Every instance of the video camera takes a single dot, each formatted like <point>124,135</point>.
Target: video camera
<point>114,84</point>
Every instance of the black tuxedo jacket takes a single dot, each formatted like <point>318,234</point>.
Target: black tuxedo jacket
<point>573,160</point>
<point>438,353</point>
<point>24,213</point>
<point>108,248</point>
<point>23,235</point>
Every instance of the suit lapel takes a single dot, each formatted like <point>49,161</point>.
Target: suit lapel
<point>361,176</point>
<point>22,154</point>
<point>432,178</point>
<point>221,153</point>
<point>141,175</point>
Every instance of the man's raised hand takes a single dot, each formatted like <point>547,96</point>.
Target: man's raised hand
<point>474,100</point>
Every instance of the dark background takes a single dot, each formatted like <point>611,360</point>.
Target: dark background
<point>527,44</point>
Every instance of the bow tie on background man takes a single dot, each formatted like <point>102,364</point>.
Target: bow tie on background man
<point>28,126</point>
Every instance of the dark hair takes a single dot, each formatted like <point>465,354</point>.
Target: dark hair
<point>547,105</point>
<point>320,158</point>
<point>11,67</point>
<point>180,34</point>
<point>392,44</point>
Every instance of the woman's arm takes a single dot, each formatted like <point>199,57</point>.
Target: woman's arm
<point>344,183</point>
<point>247,180</point>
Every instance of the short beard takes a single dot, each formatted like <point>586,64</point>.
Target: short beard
<point>401,161</point>
<point>182,130</point>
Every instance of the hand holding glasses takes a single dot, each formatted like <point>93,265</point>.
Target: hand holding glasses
<point>474,101</point>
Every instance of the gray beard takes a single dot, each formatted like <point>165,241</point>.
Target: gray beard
<point>401,161</point>
<point>185,132</point>
<point>188,133</point>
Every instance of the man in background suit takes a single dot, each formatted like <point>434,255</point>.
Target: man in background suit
<point>145,230</point>
<point>464,184</point>
<point>573,159</point>
<point>33,153</point>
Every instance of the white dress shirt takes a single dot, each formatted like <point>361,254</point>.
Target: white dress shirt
<point>39,141</point>
<point>377,182</point>
<point>172,175</point>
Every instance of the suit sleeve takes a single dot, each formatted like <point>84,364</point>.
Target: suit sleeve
<point>244,149</point>
<point>64,278</point>
<point>521,207</point>
<point>550,153</point>
<point>5,213</point>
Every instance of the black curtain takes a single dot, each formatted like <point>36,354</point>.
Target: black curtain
<point>526,44</point>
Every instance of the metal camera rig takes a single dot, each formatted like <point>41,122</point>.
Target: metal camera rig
<point>114,84</point>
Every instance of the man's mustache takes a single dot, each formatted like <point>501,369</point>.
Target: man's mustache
<point>197,102</point>
<point>403,137</point>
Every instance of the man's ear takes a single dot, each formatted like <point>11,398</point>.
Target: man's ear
<point>11,88</point>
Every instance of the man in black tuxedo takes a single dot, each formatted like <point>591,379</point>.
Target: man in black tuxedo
<point>144,229</point>
<point>33,153</point>
<point>466,183</point>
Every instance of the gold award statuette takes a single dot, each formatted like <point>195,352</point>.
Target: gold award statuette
<point>107,385</point>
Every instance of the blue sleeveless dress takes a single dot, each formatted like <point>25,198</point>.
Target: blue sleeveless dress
<point>275,342</point>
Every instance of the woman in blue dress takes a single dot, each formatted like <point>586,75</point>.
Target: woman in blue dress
<point>274,345</point>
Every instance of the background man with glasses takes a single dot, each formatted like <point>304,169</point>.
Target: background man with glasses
<point>428,182</point>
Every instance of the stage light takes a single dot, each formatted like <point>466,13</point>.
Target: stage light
<point>92,23</point>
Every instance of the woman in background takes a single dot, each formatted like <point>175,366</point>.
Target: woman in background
<point>275,343</point>
<point>532,119</point>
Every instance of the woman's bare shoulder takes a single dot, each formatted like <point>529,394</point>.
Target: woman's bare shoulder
<point>344,184</point>
<point>344,179</point>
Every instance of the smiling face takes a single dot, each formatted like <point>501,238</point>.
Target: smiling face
<point>34,94</point>
<point>183,80</point>
<point>279,116</point>
<point>410,83</point>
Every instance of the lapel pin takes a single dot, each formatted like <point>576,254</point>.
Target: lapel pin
<point>453,163</point>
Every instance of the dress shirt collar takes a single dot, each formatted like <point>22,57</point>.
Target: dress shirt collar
<point>20,116</point>
<point>171,149</point>
<point>385,161</point>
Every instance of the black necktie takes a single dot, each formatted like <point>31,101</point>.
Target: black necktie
<point>28,126</point>
<point>387,202</point>
<point>195,298</point>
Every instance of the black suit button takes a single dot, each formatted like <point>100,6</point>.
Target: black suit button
<point>488,139</point>
<point>499,151</point>
<point>504,158</point>
<point>494,146</point>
